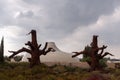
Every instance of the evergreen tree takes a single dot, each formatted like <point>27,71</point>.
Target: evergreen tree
<point>2,50</point>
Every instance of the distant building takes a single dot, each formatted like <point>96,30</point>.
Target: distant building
<point>12,60</point>
<point>57,57</point>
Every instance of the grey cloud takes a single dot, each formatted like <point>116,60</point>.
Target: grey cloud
<point>25,14</point>
<point>111,34</point>
<point>83,12</point>
<point>55,20</point>
<point>61,15</point>
<point>66,15</point>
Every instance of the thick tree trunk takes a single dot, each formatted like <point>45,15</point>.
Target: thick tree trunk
<point>35,60</point>
<point>35,57</point>
<point>94,43</point>
<point>94,46</point>
<point>95,65</point>
<point>34,38</point>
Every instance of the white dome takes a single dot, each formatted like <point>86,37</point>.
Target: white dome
<point>57,56</point>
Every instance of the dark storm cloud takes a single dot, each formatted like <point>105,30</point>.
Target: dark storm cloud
<point>79,11</point>
<point>66,15</point>
<point>61,15</point>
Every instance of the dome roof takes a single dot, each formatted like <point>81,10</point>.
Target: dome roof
<point>57,56</point>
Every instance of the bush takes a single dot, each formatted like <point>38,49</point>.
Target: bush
<point>19,77</point>
<point>103,62</point>
<point>21,71</point>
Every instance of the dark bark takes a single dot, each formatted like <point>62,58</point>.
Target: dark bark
<point>2,50</point>
<point>92,52</point>
<point>33,50</point>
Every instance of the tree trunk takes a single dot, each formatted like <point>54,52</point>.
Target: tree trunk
<point>35,60</point>
<point>35,57</point>
<point>2,50</point>
<point>95,65</point>
<point>92,53</point>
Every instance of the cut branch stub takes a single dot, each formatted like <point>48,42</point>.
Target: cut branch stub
<point>34,37</point>
<point>94,43</point>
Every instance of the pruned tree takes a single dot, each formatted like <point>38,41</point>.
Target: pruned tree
<point>34,50</point>
<point>91,53</point>
<point>2,50</point>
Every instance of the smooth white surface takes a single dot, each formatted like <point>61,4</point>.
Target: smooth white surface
<point>57,56</point>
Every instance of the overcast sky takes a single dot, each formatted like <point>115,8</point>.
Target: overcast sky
<point>69,23</point>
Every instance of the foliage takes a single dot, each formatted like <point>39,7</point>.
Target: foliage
<point>103,62</point>
<point>94,55</point>
<point>85,59</point>
<point>21,71</point>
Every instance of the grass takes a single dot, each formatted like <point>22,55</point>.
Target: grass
<point>21,71</point>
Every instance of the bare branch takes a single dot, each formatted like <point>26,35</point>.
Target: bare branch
<point>106,53</point>
<point>102,50</point>
<point>103,47</point>
<point>45,46</point>
<point>29,44</point>
<point>78,53</point>
<point>49,49</point>
<point>19,51</point>
<point>39,46</point>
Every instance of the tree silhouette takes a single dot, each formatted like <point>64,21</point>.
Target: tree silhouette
<point>34,50</point>
<point>91,53</point>
<point>2,50</point>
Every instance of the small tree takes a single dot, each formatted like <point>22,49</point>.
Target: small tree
<point>93,58</point>
<point>2,50</point>
<point>33,50</point>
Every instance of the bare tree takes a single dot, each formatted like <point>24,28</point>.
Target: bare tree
<point>34,50</point>
<point>92,52</point>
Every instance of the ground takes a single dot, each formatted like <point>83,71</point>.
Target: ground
<point>21,71</point>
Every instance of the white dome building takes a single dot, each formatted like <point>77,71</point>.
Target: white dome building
<point>55,57</point>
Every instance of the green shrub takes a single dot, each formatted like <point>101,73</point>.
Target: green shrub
<point>21,71</point>
<point>3,77</point>
<point>18,77</point>
<point>117,72</point>
<point>103,62</point>
<point>49,77</point>
<point>70,68</point>
<point>39,69</point>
